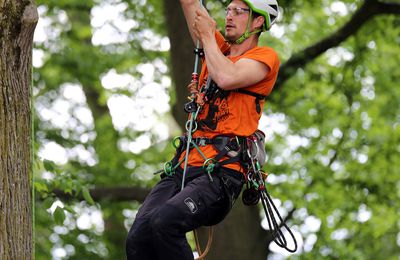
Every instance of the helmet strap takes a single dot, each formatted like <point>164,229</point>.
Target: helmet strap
<point>247,33</point>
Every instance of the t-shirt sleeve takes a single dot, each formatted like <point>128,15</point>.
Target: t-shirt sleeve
<point>269,57</point>
<point>265,55</point>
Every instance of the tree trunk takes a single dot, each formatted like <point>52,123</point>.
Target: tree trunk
<point>17,24</point>
<point>239,236</point>
<point>182,57</point>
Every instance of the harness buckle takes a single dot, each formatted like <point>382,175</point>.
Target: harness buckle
<point>202,141</point>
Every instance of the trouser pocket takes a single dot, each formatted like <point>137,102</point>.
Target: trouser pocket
<point>232,183</point>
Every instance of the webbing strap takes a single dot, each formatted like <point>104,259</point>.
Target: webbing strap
<point>258,97</point>
<point>200,141</point>
<point>210,163</point>
<point>224,152</point>
<point>211,88</point>
<point>251,93</point>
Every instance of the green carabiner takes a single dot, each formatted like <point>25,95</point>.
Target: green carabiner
<point>208,166</point>
<point>258,166</point>
<point>168,169</point>
<point>255,184</point>
<point>174,144</point>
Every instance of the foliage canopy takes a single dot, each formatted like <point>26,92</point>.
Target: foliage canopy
<point>103,93</point>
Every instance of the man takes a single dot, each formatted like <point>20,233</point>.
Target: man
<point>235,76</point>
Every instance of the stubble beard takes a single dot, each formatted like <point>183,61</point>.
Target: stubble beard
<point>230,38</point>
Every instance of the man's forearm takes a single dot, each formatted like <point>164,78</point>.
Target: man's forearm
<point>189,2</point>
<point>220,68</point>
<point>231,75</point>
<point>189,7</point>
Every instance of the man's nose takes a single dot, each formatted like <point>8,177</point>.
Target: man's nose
<point>228,17</point>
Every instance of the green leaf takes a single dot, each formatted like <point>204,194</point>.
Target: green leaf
<point>49,165</point>
<point>38,166</point>
<point>59,216</point>
<point>69,209</point>
<point>86,195</point>
<point>48,202</point>
<point>41,187</point>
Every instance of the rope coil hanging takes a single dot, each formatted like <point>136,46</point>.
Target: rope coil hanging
<point>256,191</point>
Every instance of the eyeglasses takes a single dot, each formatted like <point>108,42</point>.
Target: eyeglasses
<point>235,11</point>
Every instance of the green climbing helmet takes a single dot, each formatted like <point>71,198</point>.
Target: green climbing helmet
<point>267,8</point>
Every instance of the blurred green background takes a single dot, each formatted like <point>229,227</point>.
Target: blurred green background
<point>109,85</point>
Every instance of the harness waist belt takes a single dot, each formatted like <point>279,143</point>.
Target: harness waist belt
<point>203,141</point>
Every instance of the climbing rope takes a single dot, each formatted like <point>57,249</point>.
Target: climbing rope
<point>193,108</point>
<point>191,126</point>
<point>270,212</point>
<point>208,246</point>
<point>208,166</point>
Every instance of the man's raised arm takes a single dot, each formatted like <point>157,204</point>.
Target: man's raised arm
<point>189,8</point>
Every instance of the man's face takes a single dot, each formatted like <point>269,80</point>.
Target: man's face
<point>237,14</point>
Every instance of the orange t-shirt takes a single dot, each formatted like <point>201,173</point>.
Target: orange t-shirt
<point>229,112</point>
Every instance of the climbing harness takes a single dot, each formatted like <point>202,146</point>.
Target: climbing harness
<point>249,151</point>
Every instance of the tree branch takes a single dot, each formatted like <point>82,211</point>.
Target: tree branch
<point>367,11</point>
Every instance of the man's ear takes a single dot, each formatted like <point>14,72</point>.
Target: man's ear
<point>258,22</point>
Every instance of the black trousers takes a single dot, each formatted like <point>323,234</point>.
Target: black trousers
<point>168,213</point>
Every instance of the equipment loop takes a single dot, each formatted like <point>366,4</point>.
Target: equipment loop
<point>174,144</point>
<point>209,165</point>
<point>191,126</point>
<point>168,169</point>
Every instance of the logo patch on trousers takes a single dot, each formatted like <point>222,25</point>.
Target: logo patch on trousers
<point>191,204</point>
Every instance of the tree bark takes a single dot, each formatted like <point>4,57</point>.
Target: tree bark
<point>17,22</point>
<point>239,236</point>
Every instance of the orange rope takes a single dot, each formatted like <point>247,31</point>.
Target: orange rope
<point>208,246</point>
